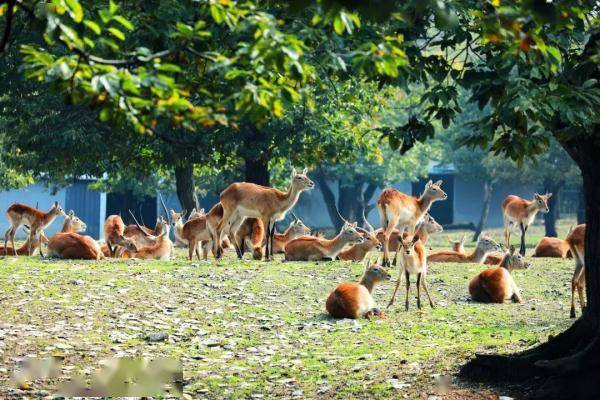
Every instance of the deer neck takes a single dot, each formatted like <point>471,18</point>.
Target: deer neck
<point>67,227</point>
<point>532,208</point>
<point>290,198</point>
<point>478,255</point>
<point>505,263</point>
<point>49,217</point>
<point>368,282</point>
<point>334,245</point>
<point>423,234</point>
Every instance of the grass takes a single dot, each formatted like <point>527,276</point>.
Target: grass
<point>246,329</point>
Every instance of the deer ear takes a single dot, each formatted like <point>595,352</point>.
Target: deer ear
<point>536,195</point>
<point>428,184</point>
<point>439,183</point>
<point>56,204</point>
<point>512,249</point>
<point>548,195</point>
<point>354,225</point>
<point>202,211</point>
<point>294,173</point>
<point>71,213</point>
<point>368,265</point>
<point>415,238</point>
<point>304,171</point>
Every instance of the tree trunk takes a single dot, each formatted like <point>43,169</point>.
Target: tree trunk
<point>186,188</point>
<point>570,362</point>
<point>350,201</point>
<point>329,198</point>
<point>581,207</point>
<point>257,171</point>
<point>553,204</point>
<point>366,198</point>
<point>488,189</point>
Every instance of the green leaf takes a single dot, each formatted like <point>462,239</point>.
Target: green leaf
<point>117,33</point>
<point>555,53</point>
<point>125,22</point>
<point>75,10</point>
<point>94,27</point>
<point>112,7</point>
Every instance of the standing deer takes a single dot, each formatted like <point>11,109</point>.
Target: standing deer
<point>520,213</point>
<point>20,214</point>
<point>426,228</point>
<point>310,248</point>
<point>485,246</point>
<point>242,200</point>
<point>576,241</point>
<point>398,209</point>
<point>114,230</point>
<point>355,300</point>
<point>413,260</point>
<point>496,285</point>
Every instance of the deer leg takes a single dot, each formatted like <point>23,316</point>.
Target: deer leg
<point>191,249</point>
<point>424,280</point>
<point>580,287</point>
<point>523,230</point>
<point>386,242</point>
<point>395,289</point>
<point>419,291</point>
<point>406,274</point>
<point>12,240</point>
<point>574,285</point>
<point>272,236</point>
<point>7,234</point>
<point>206,246</point>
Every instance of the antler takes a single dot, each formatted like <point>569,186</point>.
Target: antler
<point>141,215</point>
<point>165,208</point>
<point>340,215</point>
<point>367,224</point>
<point>294,215</point>
<point>138,224</point>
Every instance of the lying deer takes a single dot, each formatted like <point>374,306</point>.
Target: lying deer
<point>161,250</point>
<point>114,234</point>
<point>310,248</point>
<point>413,261</point>
<point>294,231</point>
<point>355,300</point>
<point>397,209</point>
<point>576,241</point>
<point>519,214</point>
<point>458,245</point>
<point>552,247</point>
<point>20,214</point>
<point>360,250</point>
<point>485,246</point>
<point>496,285</point>
<point>68,244</point>
<point>251,234</point>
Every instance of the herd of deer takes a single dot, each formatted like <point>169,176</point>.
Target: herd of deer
<point>245,218</point>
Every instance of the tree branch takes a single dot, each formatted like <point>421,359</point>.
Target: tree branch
<point>8,27</point>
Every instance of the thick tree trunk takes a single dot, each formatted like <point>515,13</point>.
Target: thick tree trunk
<point>186,188</point>
<point>569,362</point>
<point>366,198</point>
<point>553,204</point>
<point>329,198</point>
<point>350,201</point>
<point>257,171</point>
<point>488,189</point>
<point>581,207</point>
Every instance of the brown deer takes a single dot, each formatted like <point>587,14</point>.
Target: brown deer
<point>426,228</point>
<point>114,234</point>
<point>519,214</point>
<point>242,200</point>
<point>69,244</point>
<point>24,249</point>
<point>458,245</point>
<point>576,241</point>
<point>294,231</point>
<point>413,261</point>
<point>552,247</point>
<point>496,285</point>
<point>360,250</point>
<point>20,214</point>
<point>310,248</point>
<point>178,222</point>
<point>485,246</point>
<point>397,209</point>
<point>161,250</point>
<point>251,234</point>
<point>355,300</point>
<point>199,231</point>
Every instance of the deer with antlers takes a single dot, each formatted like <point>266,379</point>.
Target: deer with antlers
<point>162,249</point>
<point>114,234</point>
<point>310,248</point>
<point>360,250</point>
<point>20,214</point>
<point>397,209</point>
<point>485,246</point>
<point>247,200</point>
<point>519,213</point>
